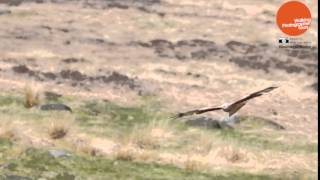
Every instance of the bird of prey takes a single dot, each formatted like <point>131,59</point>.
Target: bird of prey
<point>230,108</point>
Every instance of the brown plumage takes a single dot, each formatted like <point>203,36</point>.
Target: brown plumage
<point>230,108</point>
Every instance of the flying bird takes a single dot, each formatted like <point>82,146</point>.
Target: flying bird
<point>230,108</point>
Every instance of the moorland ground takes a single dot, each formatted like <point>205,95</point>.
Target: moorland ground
<point>124,67</point>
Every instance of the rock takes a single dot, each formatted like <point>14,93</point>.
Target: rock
<point>205,122</point>
<point>315,86</point>
<point>73,60</point>
<point>73,75</point>
<point>49,75</point>
<point>239,47</point>
<point>21,69</point>
<point>59,153</point>
<point>55,107</point>
<point>231,120</point>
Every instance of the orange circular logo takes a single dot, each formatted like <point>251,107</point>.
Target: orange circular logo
<point>293,18</point>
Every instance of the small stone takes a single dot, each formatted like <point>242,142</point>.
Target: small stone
<point>59,153</point>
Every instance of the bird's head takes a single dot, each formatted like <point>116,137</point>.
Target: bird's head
<point>224,106</point>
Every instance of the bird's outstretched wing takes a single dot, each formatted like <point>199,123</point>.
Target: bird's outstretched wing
<point>197,111</point>
<point>234,107</point>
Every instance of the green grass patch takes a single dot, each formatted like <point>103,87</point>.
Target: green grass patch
<point>260,142</point>
<point>255,122</point>
<point>110,119</point>
<point>6,100</point>
<point>23,13</point>
<point>5,144</point>
<point>37,163</point>
<point>113,118</point>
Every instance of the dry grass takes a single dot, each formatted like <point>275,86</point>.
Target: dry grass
<point>8,134</point>
<point>138,145</point>
<point>147,156</point>
<point>154,136</point>
<point>32,97</point>
<point>7,130</point>
<point>194,163</point>
<point>125,153</point>
<point>233,155</point>
<point>203,144</point>
<point>88,150</point>
<point>58,132</point>
<point>59,128</point>
<point>145,141</point>
<point>84,146</point>
<point>152,143</point>
<point>130,153</point>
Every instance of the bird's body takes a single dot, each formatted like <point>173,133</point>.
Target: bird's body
<point>230,108</point>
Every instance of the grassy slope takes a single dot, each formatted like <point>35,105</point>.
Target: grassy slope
<point>117,121</point>
<point>38,163</point>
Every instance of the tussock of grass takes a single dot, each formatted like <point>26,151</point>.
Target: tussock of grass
<point>59,128</point>
<point>125,153</point>
<point>146,142</point>
<point>202,144</point>
<point>7,130</point>
<point>58,132</point>
<point>7,134</point>
<point>32,97</point>
<point>231,154</point>
<point>147,156</point>
<point>84,146</point>
<point>88,150</point>
<point>154,135</point>
<point>192,164</point>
